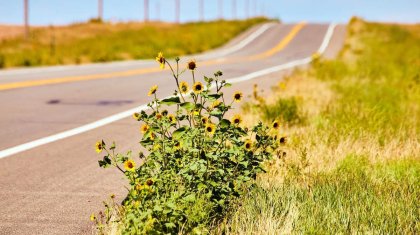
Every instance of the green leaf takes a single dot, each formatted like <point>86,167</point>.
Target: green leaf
<point>190,198</point>
<point>214,96</point>
<point>244,163</point>
<point>188,106</point>
<point>224,123</point>
<point>157,208</point>
<point>112,146</point>
<point>170,225</point>
<point>171,100</point>
<point>179,132</point>
<point>201,186</point>
<point>227,85</point>
<point>216,113</point>
<point>106,162</point>
<point>170,205</point>
<point>193,167</point>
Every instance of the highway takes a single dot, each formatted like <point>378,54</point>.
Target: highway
<point>51,118</point>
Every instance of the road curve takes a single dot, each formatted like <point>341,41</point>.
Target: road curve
<point>52,188</point>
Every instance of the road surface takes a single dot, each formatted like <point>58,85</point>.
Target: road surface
<point>51,118</point>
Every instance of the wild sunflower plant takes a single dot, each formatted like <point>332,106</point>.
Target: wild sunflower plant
<point>198,160</point>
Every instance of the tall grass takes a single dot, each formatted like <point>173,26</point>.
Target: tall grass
<point>100,42</point>
<point>353,166</point>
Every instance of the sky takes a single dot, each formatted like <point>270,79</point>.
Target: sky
<point>59,12</point>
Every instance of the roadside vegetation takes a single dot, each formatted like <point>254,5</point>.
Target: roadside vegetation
<point>353,142</point>
<point>339,152</point>
<point>102,42</point>
<point>200,159</point>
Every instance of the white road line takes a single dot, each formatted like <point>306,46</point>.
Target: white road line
<point>327,38</point>
<point>243,43</point>
<point>116,117</point>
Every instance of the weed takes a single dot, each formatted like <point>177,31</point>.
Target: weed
<point>199,161</point>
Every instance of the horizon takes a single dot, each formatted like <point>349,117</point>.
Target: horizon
<point>71,12</point>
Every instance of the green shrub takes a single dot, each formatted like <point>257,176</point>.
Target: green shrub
<point>199,162</point>
<point>285,109</point>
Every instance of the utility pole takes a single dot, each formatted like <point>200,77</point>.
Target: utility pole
<point>254,8</point>
<point>100,9</point>
<point>158,11</point>
<point>220,9</point>
<point>146,10</point>
<point>177,9</point>
<point>201,10</point>
<point>246,9</point>
<point>234,16</point>
<point>26,18</point>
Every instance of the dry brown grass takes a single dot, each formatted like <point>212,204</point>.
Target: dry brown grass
<point>353,165</point>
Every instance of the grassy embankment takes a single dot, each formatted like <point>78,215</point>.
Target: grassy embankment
<point>101,42</point>
<point>353,152</point>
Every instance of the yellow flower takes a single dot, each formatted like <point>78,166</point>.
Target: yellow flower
<point>198,87</point>
<point>161,60</point>
<point>152,90</point>
<point>136,116</point>
<point>210,128</point>
<point>204,120</point>
<point>144,128</point>
<point>236,119</point>
<point>237,96</point>
<point>183,87</point>
<point>275,125</point>
<point>157,147</point>
<point>178,145</point>
<point>99,146</point>
<point>195,113</point>
<point>282,140</point>
<point>152,136</point>
<point>215,104</point>
<point>192,65</point>
<point>171,118</point>
<point>158,116</point>
<point>282,85</point>
<point>130,165</point>
<point>248,144</point>
<point>92,217</point>
<point>149,182</point>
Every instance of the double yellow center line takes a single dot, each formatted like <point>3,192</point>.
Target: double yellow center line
<point>280,46</point>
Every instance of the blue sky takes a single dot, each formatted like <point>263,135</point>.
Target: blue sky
<point>45,12</point>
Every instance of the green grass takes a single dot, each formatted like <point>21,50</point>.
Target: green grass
<point>101,42</point>
<point>356,197</point>
<point>353,166</point>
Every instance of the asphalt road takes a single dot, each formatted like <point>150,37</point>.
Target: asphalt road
<point>52,188</point>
